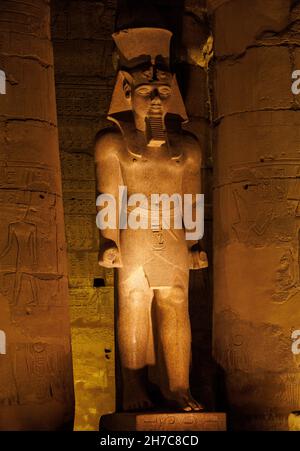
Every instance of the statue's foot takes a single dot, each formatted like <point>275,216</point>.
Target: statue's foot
<point>136,399</point>
<point>183,400</point>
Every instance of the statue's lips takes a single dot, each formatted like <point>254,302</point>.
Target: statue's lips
<point>155,109</point>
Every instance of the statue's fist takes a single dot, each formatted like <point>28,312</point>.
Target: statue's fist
<point>109,255</point>
<point>197,258</point>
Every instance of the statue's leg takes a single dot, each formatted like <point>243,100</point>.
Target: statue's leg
<point>134,306</point>
<point>175,336</point>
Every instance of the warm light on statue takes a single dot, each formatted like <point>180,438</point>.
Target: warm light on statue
<point>149,153</point>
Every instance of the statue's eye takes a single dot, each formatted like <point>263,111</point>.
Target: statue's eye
<point>164,91</point>
<point>144,91</point>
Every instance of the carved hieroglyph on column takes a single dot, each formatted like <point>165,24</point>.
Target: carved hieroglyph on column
<point>36,383</point>
<point>257,207</point>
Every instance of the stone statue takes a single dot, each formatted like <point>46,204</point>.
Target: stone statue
<point>149,152</point>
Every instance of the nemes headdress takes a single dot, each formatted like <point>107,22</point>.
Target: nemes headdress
<point>147,48</point>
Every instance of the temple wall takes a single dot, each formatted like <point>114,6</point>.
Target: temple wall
<point>250,178</point>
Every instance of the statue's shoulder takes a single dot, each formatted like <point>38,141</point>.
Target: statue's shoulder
<point>108,142</point>
<point>192,148</point>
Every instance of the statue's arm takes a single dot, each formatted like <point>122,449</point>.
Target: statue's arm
<point>108,179</point>
<point>192,184</point>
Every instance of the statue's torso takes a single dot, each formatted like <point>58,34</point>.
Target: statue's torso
<point>162,253</point>
<point>151,170</point>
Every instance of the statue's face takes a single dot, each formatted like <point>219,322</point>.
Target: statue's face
<point>149,91</point>
<point>150,98</point>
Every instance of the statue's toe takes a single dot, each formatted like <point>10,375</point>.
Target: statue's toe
<point>184,401</point>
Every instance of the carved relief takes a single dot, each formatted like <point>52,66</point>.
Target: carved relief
<point>80,232</point>
<point>83,268</point>
<point>264,209</point>
<point>43,367</point>
<point>237,353</point>
<point>32,294</point>
<point>158,241</point>
<point>85,304</point>
<point>287,278</point>
<point>18,175</point>
<point>288,389</point>
<point>30,235</point>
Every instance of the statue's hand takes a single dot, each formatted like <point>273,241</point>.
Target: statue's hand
<point>197,258</point>
<point>109,255</point>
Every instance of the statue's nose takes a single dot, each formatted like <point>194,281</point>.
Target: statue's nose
<point>155,96</point>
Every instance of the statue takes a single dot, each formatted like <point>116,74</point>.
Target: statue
<point>149,152</point>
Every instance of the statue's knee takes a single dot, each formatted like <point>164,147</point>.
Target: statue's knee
<point>175,295</point>
<point>178,295</point>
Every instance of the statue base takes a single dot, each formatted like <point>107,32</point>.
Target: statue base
<point>163,421</point>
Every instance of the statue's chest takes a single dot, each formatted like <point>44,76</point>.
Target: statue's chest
<point>156,170</point>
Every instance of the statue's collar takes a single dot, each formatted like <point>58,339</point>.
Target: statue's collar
<point>136,142</point>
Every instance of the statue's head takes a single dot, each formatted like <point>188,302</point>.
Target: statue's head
<point>145,84</point>
<point>148,91</point>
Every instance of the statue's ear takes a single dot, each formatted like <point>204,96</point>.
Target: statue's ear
<point>127,83</point>
<point>121,97</point>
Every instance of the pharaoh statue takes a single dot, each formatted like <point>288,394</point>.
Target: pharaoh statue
<point>147,151</point>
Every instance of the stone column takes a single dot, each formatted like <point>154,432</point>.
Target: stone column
<point>36,382</point>
<point>256,208</point>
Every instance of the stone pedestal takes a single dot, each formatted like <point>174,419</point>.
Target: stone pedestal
<point>163,421</point>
